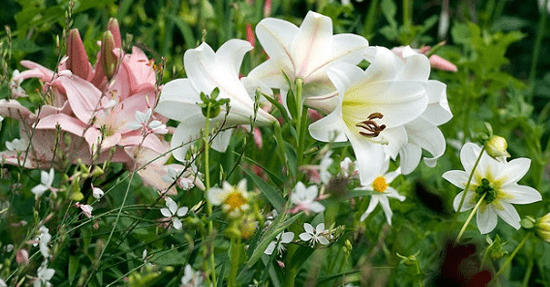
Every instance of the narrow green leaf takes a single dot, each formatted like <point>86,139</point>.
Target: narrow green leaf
<point>272,195</point>
<point>73,267</point>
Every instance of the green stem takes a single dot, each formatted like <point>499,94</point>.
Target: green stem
<point>527,273</point>
<point>301,123</point>
<point>210,245</point>
<point>509,260</point>
<point>418,278</point>
<point>407,13</point>
<point>536,52</point>
<point>467,187</point>
<point>235,254</point>
<point>470,217</point>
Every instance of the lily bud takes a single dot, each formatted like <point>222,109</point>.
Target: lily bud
<point>542,228</point>
<point>496,147</point>
<point>109,61</point>
<point>78,61</point>
<point>112,26</point>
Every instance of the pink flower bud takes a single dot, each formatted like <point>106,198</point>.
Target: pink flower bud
<point>112,26</point>
<point>109,61</point>
<point>78,61</point>
<point>22,257</point>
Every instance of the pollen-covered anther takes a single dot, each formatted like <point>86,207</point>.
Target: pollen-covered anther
<point>372,129</point>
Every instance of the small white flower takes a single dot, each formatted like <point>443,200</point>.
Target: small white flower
<point>233,199</point>
<point>173,212</point>
<point>46,180</point>
<point>498,182</point>
<point>44,238</point>
<point>381,186</point>
<point>314,235</point>
<point>3,283</point>
<point>44,275</point>
<point>191,278</point>
<point>280,239</point>
<point>186,181</point>
<point>304,199</point>
<point>86,209</point>
<point>142,122</point>
<point>8,248</point>
<point>17,145</point>
<point>97,192</point>
<point>347,167</point>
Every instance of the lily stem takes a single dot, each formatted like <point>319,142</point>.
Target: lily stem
<point>210,243</point>
<point>478,204</point>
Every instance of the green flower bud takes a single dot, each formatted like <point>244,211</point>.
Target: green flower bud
<point>542,228</point>
<point>496,147</point>
<point>109,61</point>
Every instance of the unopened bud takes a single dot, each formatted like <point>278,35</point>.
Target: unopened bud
<point>109,61</point>
<point>78,61</point>
<point>542,228</point>
<point>496,147</point>
<point>112,26</point>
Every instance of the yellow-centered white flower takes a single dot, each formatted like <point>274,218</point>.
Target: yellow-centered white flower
<point>233,199</point>
<point>497,181</point>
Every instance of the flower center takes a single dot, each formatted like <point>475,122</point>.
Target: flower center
<point>487,189</point>
<point>369,127</point>
<point>379,184</point>
<point>235,200</point>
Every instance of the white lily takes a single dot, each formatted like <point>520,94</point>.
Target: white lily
<point>498,181</point>
<point>422,132</point>
<point>207,70</point>
<point>304,53</point>
<point>381,185</point>
<point>373,107</point>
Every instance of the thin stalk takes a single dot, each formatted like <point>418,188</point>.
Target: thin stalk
<point>536,52</point>
<point>210,246</point>
<point>509,260</point>
<point>527,273</point>
<point>467,187</point>
<point>470,217</point>
<point>235,254</point>
<point>407,13</point>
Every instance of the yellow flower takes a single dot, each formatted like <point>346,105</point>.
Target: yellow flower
<point>233,199</point>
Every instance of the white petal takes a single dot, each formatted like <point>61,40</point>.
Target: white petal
<point>316,207</point>
<point>468,155</point>
<point>323,240</point>
<point>372,204</point>
<point>329,128</point>
<point>438,111</point>
<point>385,65</point>
<point>305,236</point>
<point>275,35</point>
<point>271,72</point>
<point>230,55</point>
<point>320,228</point>
<point>509,214</point>
<point>178,100</point>
<point>221,141</point>
<point>514,170</point>
<point>409,157</point>
<point>39,189</point>
<point>216,196</point>
<point>287,237</point>
<point>518,194</point>
<point>172,206</point>
<point>391,192</point>
<point>386,207</point>
<point>165,212</point>
<point>427,136</point>
<point>469,201</point>
<point>308,228</point>
<point>486,220</point>
<point>458,178</point>
<point>182,211</point>
<point>417,67</point>
<point>184,135</point>
<point>270,248</point>
<point>176,222</point>
<point>370,158</point>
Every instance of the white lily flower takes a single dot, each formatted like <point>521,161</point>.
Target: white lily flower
<point>498,181</point>
<point>422,132</point>
<point>46,180</point>
<point>381,185</point>
<point>373,107</point>
<point>280,239</point>
<point>173,212</point>
<point>304,199</point>
<point>206,71</point>
<point>304,53</point>
<point>316,235</point>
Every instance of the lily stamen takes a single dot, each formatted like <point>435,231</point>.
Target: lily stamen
<point>372,128</point>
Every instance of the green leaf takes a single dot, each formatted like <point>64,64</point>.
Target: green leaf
<point>25,45</point>
<point>272,195</point>
<point>73,267</point>
<point>389,9</point>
